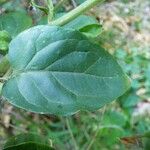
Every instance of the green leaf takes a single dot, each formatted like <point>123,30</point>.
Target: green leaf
<point>109,134</point>
<point>27,142</point>
<point>2,1</point>
<point>59,71</point>
<point>129,99</point>
<point>113,117</point>
<point>87,25</point>
<point>15,22</point>
<point>92,30</point>
<point>5,39</point>
<point>146,143</point>
<point>4,35</point>
<point>81,22</point>
<point>3,46</point>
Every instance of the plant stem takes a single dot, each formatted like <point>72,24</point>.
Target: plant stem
<point>50,10</point>
<point>8,73</point>
<point>75,12</point>
<point>1,85</point>
<point>97,131</point>
<point>4,65</point>
<point>74,3</point>
<point>44,9</point>
<point>71,134</point>
<point>59,4</point>
<point>4,78</point>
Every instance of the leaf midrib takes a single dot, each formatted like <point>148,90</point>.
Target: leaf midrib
<point>64,72</point>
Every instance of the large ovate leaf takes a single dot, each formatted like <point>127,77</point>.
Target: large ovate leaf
<point>15,22</point>
<point>27,142</point>
<point>59,71</point>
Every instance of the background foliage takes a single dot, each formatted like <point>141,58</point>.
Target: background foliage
<point>125,33</point>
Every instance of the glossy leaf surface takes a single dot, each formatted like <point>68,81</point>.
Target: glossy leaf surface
<point>59,71</point>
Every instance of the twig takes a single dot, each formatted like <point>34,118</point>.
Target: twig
<point>74,3</point>
<point>59,4</point>
<point>88,4</point>
<point>71,134</point>
<point>50,10</point>
<point>97,131</point>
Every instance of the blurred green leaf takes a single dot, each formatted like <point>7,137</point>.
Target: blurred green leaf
<point>27,142</point>
<point>110,134</point>
<point>146,143</point>
<point>5,38</point>
<point>129,99</point>
<point>15,22</point>
<point>114,118</point>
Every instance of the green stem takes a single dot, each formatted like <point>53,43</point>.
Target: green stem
<point>50,10</point>
<point>1,85</point>
<point>97,131</point>
<point>44,9</point>
<point>5,77</point>
<point>4,65</point>
<point>75,12</point>
<point>71,134</point>
<point>74,3</point>
<point>59,4</point>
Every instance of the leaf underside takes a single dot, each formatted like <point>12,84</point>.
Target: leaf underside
<point>59,71</point>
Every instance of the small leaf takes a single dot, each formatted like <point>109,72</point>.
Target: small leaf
<point>27,142</point>
<point>110,133</point>
<point>129,99</point>
<point>87,25</point>
<point>3,46</point>
<point>15,22</point>
<point>59,71</point>
<point>92,30</point>
<point>113,117</point>
<point>5,36</point>
<point>5,39</point>
<point>81,22</point>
